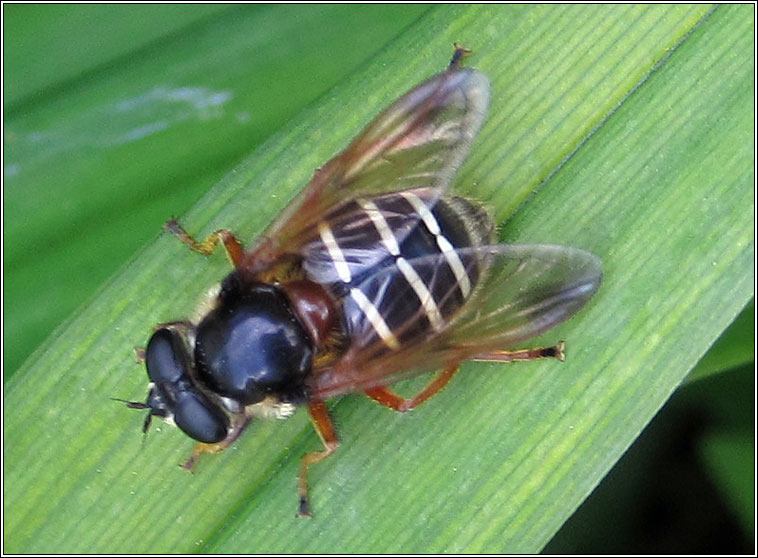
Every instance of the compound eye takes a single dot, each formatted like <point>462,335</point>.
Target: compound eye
<point>166,358</point>
<point>199,418</point>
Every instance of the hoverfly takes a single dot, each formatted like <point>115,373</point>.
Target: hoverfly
<point>374,273</point>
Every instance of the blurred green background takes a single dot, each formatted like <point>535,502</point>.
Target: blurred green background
<point>98,153</point>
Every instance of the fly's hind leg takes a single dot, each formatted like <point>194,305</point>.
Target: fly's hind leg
<point>388,398</point>
<point>460,53</point>
<point>233,247</point>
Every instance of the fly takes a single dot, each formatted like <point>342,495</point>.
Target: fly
<point>374,273</point>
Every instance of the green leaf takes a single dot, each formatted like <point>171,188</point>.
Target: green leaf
<point>625,130</point>
<point>93,35</point>
<point>734,348</point>
<point>731,459</point>
<point>101,155</point>
<point>727,446</point>
<point>662,497</point>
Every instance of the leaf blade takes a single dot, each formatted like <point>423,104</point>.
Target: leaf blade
<point>475,488</point>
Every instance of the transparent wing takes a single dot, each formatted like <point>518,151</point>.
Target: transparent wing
<point>523,291</point>
<point>528,289</point>
<point>417,142</point>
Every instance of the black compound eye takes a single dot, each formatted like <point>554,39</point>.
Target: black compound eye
<point>175,393</point>
<point>166,359</point>
<point>199,418</point>
<point>253,345</point>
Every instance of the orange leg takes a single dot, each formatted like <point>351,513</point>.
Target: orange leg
<point>238,427</point>
<point>234,249</point>
<point>325,429</point>
<point>388,398</point>
<point>556,351</point>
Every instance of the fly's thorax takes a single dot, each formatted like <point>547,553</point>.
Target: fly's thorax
<point>252,345</point>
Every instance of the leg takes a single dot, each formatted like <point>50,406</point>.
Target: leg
<point>233,247</point>
<point>200,448</point>
<point>458,55</point>
<point>139,355</point>
<point>388,398</point>
<point>325,429</point>
<point>556,351</point>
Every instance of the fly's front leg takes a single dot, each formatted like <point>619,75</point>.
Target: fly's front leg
<point>238,427</point>
<point>388,398</point>
<point>233,247</point>
<point>325,429</point>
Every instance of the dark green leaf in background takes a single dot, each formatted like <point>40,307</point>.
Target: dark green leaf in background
<point>686,485</point>
<point>95,163</point>
<point>625,130</point>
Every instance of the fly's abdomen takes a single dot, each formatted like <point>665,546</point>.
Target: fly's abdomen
<point>399,264</point>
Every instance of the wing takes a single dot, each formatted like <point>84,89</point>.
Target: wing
<point>522,291</point>
<point>417,142</point>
